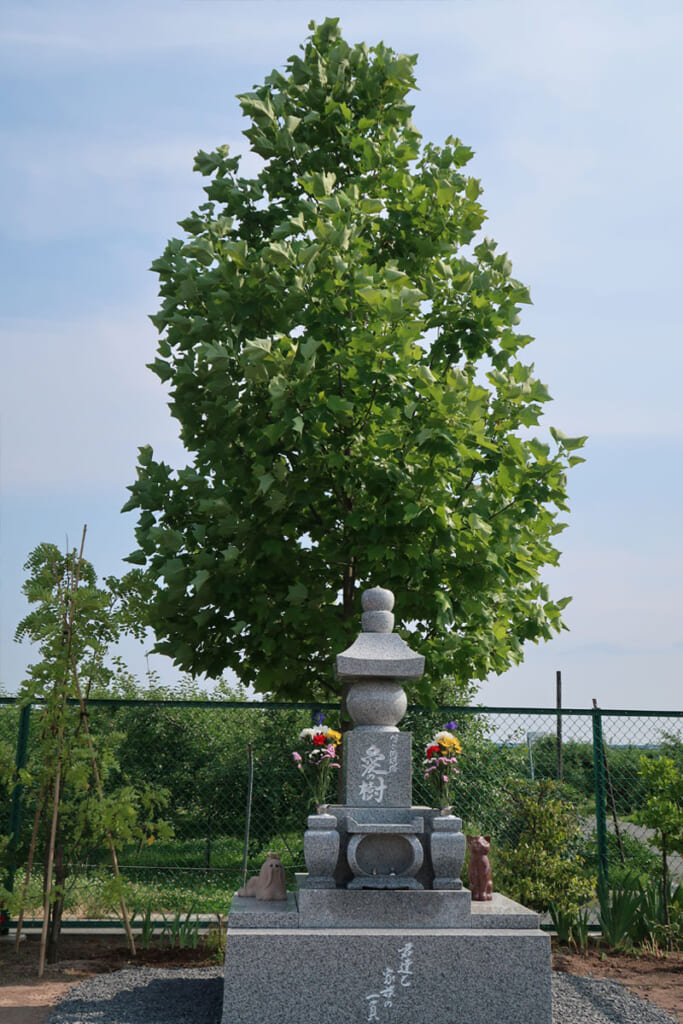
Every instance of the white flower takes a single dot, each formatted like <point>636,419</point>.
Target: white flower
<point>319,730</point>
<point>443,735</point>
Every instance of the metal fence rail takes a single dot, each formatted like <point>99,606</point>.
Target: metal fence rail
<point>192,756</point>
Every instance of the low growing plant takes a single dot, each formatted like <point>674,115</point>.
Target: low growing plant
<point>571,926</point>
<point>620,913</point>
<point>580,929</point>
<point>183,930</point>
<point>562,922</point>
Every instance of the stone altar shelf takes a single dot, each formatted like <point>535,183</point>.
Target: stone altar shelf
<point>381,928</point>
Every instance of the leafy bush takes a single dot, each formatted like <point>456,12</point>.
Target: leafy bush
<point>638,857</point>
<point>537,859</point>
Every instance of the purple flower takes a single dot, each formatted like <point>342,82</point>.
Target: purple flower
<point>318,718</point>
<point>452,726</point>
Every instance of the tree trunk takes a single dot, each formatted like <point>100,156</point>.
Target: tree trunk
<point>57,909</point>
<point>665,896</point>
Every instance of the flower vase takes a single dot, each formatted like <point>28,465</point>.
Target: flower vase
<point>321,851</point>
<point>447,850</point>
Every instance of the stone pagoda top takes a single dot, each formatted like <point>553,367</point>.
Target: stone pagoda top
<point>378,652</point>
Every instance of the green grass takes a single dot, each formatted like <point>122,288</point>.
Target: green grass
<point>166,877</point>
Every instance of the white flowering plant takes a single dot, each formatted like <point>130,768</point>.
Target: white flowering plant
<point>441,763</point>
<point>319,758</point>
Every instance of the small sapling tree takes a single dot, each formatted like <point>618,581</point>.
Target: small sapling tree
<point>663,813</point>
<point>79,803</point>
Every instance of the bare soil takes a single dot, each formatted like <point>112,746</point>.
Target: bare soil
<point>27,999</point>
<point>656,979</point>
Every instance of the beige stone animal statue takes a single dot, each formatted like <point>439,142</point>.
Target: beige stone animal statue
<point>481,883</point>
<point>270,882</point>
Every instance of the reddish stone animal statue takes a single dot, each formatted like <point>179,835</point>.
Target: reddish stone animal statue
<point>269,884</point>
<point>481,884</point>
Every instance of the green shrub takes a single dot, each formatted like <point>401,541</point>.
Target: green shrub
<point>639,858</point>
<point>537,859</point>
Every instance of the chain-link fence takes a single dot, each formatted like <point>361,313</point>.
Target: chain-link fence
<point>187,768</point>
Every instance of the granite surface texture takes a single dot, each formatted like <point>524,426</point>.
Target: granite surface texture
<point>389,976</point>
<point>378,769</point>
<point>502,912</point>
<point>330,908</point>
<point>376,702</point>
<point>250,913</point>
<point>379,656</point>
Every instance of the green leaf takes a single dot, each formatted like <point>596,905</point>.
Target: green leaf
<point>297,593</point>
<point>339,405</point>
<point>570,444</point>
<point>473,188</point>
<point>369,205</point>
<point>136,557</point>
<point>477,525</point>
<point>200,578</point>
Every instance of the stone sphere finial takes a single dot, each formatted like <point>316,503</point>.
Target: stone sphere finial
<point>377,616</point>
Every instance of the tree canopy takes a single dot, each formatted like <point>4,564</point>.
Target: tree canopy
<point>343,358</point>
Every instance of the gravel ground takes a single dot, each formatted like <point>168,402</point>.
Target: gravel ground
<point>581,1000</point>
<point>194,996</point>
<point>145,995</point>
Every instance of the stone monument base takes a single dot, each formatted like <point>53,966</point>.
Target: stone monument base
<point>494,969</point>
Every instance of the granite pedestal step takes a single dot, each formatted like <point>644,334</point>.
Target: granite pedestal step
<point>387,975</point>
<point>502,912</point>
<point>340,908</point>
<point>247,912</point>
<point>382,908</point>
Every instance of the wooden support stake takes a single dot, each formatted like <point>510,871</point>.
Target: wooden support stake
<point>50,857</point>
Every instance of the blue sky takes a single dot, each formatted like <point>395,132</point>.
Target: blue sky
<point>575,113</point>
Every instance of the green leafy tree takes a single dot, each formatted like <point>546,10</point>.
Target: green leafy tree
<point>72,777</point>
<point>341,350</point>
<point>663,813</point>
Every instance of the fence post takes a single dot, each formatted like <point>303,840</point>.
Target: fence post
<point>599,786</point>
<point>558,723</point>
<point>15,809</point>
